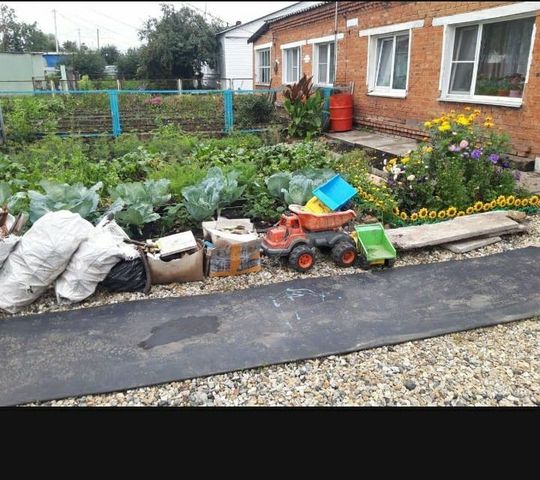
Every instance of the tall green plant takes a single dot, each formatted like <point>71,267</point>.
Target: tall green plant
<point>304,107</point>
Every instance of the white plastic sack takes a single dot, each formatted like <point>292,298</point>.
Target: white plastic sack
<point>40,257</point>
<point>92,262</point>
<point>7,244</point>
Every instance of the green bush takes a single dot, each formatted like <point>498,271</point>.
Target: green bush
<point>253,110</point>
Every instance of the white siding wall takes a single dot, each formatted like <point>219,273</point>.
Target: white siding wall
<point>239,62</point>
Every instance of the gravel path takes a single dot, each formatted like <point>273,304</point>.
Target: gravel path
<point>493,366</point>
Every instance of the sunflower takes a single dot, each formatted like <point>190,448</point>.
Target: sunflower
<point>478,206</point>
<point>510,200</point>
<point>501,203</point>
<point>517,202</point>
<point>533,200</point>
<point>403,216</point>
<point>432,214</point>
<point>395,211</point>
<point>461,213</point>
<point>451,212</point>
<point>500,198</point>
<point>524,202</point>
<point>441,214</point>
<point>414,216</point>
<point>486,207</point>
<point>423,213</point>
<point>470,210</point>
<point>493,203</point>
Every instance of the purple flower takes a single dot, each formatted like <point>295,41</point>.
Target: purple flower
<point>476,153</point>
<point>454,148</point>
<point>494,158</point>
<point>506,164</point>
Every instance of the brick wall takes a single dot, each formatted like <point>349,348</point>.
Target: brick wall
<point>404,115</point>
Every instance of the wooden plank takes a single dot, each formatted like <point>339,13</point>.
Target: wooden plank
<point>469,245</point>
<point>461,228</point>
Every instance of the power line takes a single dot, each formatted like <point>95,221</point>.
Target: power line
<point>116,20</point>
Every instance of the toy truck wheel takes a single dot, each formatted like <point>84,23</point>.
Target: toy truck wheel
<point>302,258</point>
<point>344,254</point>
<point>389,262</point>
<point>363,263</point>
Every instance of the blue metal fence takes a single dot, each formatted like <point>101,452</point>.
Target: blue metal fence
<point>116,115</point>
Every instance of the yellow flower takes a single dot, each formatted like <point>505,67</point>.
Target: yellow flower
<point>470,210</point>
<point>395,211</point>
<point>451,212</point>
<point>414,216</point>
<point>493,203</point>
<point>467,109</point>
<point>441,214</point>
<point>428,149</point>
<point>500,198</point>
<point>427,124</point>
<point>501,203</point>
<point>510,200</point>
<point>445,127</point>
<point>488,124</point>
<point>524,202</point>
<point>423,213</point>
<point>403,216</point>
<point>533,200</point>
<point>405,160</point>
<point>461,213</point>
<point>486,206</point>
<point>517,202</point>
<point>478,206</point>
<point>477,112</point>
<point>463,120</point>
<point>433,214</point>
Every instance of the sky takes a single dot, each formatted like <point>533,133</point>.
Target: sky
<point>118,22</point>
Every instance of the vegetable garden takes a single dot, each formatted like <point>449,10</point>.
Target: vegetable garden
<point>178,176</point>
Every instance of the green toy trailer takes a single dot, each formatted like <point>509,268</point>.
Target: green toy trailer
<point>374,246</point>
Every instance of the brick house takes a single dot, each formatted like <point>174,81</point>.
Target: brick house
<point>410,61</point>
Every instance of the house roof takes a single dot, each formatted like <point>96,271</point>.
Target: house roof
<point>271,16</point>
<point>264,27</point>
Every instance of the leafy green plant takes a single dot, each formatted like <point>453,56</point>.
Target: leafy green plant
<point>304,107</point>
<point>297,188</point>
<point>135,202</point>
<point>253,110</point>
<point>75,198</point>
<point>213,193</point>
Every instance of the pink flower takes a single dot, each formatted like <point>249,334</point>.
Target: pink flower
<point>463,144</point>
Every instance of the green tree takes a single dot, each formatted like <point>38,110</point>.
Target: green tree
<point>89,63</point>
<point>69,46</point>
<point>20,37</point>
<point>129,63</point>
<point>110,53</point>
<point>178,44</point>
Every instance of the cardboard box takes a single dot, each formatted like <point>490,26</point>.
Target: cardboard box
<point>189,268</point>
<point>230,259</point>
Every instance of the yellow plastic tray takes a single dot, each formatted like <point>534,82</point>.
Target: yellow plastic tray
<point>316,206</point>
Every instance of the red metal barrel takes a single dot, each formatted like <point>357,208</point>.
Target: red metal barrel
<point>341,112</point>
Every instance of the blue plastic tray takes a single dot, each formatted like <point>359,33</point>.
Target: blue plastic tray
<point>335,193</point>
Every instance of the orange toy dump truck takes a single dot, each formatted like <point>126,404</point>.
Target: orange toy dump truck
<point>298,233</point>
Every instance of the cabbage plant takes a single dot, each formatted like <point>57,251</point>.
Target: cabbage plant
<point>297,188</point>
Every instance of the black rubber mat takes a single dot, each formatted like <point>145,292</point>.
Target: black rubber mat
<point>147,342</point>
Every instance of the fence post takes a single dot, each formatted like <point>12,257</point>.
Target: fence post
<point>53,88</point>
<point>326,106</point>
<point>180,86</point>
<point>115,112</point>
<point>228,110</point>
<point>118,84</point>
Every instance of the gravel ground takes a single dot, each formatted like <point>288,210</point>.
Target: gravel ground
<point>493,366</point>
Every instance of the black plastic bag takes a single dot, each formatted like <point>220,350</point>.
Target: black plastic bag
<point>128,276</point>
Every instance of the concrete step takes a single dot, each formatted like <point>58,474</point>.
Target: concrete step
<point>530,181</point>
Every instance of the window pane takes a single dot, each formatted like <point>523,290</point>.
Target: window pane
<point>332,63</point>
<point>460,78</point>
<point>384,60</point>
<point>323,64</point>
<point>504,55</point>
<point>465,43</point>
<point>400,62</point>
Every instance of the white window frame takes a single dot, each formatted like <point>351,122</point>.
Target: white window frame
<point>386,31</point>
<point>258,49</point>
<point>495,15</point>
<point>315,64</point>
<point>285,64</point>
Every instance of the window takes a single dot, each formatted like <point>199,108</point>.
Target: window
<point>325,63</point>
<point>263,65</point>
<point>392,63</point>
<point>488,61</point>
<point>291,65</point>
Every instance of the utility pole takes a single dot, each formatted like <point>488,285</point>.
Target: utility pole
<point>55,31</point>
<point>79,32</point>
<point>98,38</point>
